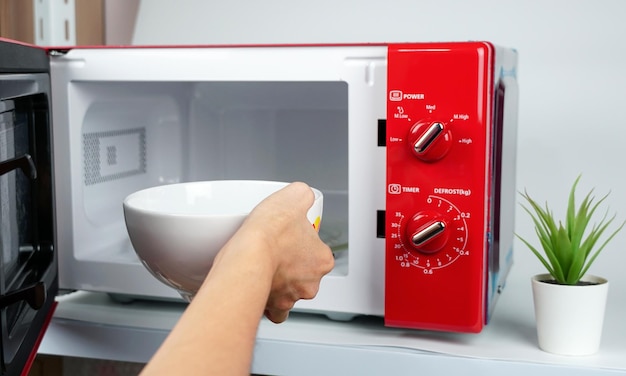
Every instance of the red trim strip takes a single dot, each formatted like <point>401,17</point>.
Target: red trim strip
<point>33,354</point>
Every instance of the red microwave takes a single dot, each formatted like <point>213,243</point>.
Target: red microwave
<point>412,144</point>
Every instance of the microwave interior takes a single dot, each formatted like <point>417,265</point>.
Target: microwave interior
<point>126,119</point>
<point>135,135</point>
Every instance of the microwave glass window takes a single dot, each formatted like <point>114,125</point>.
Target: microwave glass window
<point>15,193</point>
<point>7,226</point>
<point>26,229</point>
<point>141,134</point>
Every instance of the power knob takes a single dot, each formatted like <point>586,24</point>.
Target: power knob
<point>430,140</point>
<point>427,232</point>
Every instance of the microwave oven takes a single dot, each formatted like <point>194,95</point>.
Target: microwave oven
<point>412,144</point>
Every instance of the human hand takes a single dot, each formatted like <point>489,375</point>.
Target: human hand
<point>299,257</point>
<point>274,259</point>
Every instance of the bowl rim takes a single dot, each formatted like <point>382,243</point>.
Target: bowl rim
<point>160,213</point>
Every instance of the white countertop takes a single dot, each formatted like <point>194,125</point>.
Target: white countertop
<point>92,325</point>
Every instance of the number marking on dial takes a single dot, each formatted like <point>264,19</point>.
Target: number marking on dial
<point>455,248</point>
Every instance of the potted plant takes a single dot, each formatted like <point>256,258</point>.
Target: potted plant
<point>569,303</point>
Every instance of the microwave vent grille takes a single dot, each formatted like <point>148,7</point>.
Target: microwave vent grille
<point>113,155</point>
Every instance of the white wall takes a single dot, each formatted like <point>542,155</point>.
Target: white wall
<point>119,17</point>
<point>572,75</point>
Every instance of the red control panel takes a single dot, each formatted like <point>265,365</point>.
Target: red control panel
<point>439,166</point>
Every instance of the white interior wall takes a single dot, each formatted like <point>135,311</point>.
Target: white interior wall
<point>572,54</point>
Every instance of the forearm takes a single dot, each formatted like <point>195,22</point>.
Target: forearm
<point>218,330</point>
<point>272,261</point>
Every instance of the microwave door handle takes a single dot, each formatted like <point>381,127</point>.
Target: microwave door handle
<point>24,163</point>
<point>34,295</point>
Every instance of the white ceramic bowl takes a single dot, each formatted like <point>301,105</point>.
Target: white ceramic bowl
<point>177,229</point>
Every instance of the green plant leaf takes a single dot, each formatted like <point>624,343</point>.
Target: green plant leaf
<point>564,251</point>
<point>580,220</point>
<point>568,250</point>
<point>538,254</point>
<point>571,208</point>
<point>545,228</point>
<point>597,252</point>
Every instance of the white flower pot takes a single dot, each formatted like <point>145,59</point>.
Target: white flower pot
<point>569,318</point>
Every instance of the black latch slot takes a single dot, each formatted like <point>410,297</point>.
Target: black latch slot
<point>382,132</point>
<point>380,224</point>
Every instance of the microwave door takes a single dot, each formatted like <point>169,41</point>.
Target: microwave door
<point>28,267</point>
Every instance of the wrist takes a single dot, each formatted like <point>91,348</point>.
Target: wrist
<point>251,250</point>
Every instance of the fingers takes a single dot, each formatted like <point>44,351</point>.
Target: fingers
<point>301,259</point>
<point>282,300</point>
<point>326,262</point>
<point>299,195</point>
<point>276,316</point>
<point>299,281</point>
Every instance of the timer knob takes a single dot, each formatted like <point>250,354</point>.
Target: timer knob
<point>427,232</point>
<point>430,140</point>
